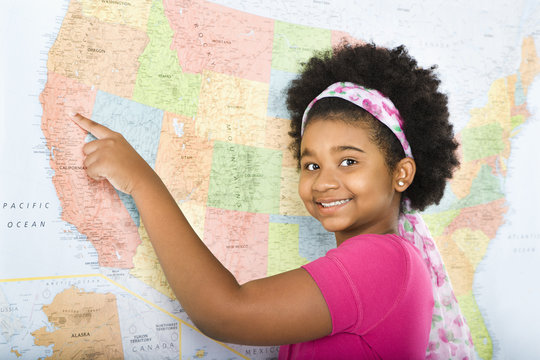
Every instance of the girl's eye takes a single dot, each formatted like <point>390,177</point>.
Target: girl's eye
<point>312,166</point>
<point>348,162</point>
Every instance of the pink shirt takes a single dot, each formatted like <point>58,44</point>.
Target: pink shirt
<point>378,292</point>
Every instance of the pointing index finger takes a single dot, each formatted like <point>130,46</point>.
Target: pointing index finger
<point>98,130</point>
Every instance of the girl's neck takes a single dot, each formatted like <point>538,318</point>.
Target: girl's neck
<point>390,229</point>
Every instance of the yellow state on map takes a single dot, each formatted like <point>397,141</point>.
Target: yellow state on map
<point>460,269</point>
<point>497,108</point>
<point>283,248</point>
<point>463,178</point>
<point>473,243</point>
<point>232,109</point>
<point>278,138</point>
<point>146,266</point>
<point>126,12</point>
<point>289,200</point>
<point>479,333</point>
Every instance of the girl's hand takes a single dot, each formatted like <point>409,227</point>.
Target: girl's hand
<point>111,157</point>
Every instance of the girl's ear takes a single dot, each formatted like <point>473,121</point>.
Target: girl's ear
<point>404,174</point>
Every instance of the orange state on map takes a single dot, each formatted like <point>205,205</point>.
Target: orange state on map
<point>86,326</point>
<point>92,206</point>
<point>97,53</point>
<point>184,163</point>
<point>184,160</point>
<point>212,37</point>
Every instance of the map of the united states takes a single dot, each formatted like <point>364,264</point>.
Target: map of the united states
<point>198,89</point>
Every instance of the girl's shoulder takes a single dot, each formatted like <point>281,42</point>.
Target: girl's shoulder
<point>389,256</point>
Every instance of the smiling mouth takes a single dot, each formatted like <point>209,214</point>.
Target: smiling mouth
<point>334,203</point>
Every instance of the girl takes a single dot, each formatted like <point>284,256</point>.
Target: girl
<point>364,165</point>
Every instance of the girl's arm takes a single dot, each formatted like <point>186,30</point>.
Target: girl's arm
<point>281,309</point>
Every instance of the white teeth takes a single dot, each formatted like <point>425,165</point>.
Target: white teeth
<point>335,203</point>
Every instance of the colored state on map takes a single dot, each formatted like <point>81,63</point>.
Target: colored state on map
<point>294,44</point>
<point>245,178</point>
<point>92,206</point>
<point>96,53</point>
<point>138,123</point>
<point>161,82</point>
<point>147,268</point>
<point>212,37</point>
<point>290,202</point>
<point>283,252</point>
<point>277,137</point>
<point>239,240</point>
<point>86,326</point>
<point>184,163</point>
<point>126,12</point>
<point>279,82</point>
<point>232,109</point>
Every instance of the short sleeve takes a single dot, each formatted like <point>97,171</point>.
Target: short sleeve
<point>361,281</point>
<point>338,292</point>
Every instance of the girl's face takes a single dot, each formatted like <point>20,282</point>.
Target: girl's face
<point>344,180</point>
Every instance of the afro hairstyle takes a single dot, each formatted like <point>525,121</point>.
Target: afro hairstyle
<point>412,89</point>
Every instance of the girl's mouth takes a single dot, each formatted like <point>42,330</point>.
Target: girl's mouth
<point>333,203</point>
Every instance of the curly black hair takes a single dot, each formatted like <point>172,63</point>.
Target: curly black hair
<point>412,89</point>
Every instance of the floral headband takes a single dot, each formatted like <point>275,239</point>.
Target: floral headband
<point>370,100</point>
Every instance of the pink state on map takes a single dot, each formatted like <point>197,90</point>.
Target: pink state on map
<point>213,37</point>
<point>239,240</point>
<point>520,110</point>
<point>92,206</point>
<point>342,37</point>
<point>487,218</point>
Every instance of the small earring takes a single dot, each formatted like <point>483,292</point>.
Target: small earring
<point>400,183</point>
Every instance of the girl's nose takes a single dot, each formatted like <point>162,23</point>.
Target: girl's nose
<point>325,180</point>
